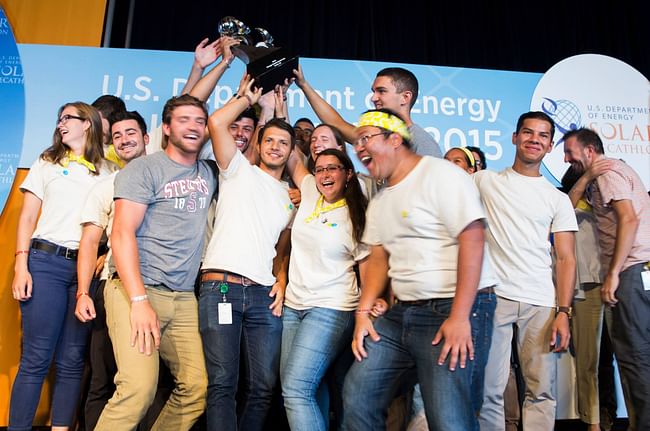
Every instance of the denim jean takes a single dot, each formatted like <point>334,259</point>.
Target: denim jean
<point>254,332</point>
<point>405,346</point>
<point>50,331</point>
<point>482,318</point>
<point>311,341</point>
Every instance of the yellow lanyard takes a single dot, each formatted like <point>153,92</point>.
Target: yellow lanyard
<point>71,157</point>
<point>322,210</point>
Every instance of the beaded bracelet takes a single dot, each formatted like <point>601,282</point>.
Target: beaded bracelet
<point>80,294</point>
<point>21,252</point>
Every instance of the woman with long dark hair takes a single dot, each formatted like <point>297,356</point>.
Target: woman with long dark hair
<point>322,293</point>
<point>45,279</point>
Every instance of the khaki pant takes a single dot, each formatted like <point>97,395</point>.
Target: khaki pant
<point>586,330</point>
<point>137,376</point>
<point>538,366</point>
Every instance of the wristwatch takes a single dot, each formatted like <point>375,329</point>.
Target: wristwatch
<point>567,310</point>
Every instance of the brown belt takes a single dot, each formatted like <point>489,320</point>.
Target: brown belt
<point>486,290</point>
<point>227,277</point>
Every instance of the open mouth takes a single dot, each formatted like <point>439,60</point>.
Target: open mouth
<point>366,160</point>
<point>191,136</point>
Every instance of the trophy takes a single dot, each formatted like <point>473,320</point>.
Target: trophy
<point>269,65</point>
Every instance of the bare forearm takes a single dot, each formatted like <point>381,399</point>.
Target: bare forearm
<point>327,113</point>
<point>86,262</point>
<point>126,257</point>
<point>470,259</point>
<point>578,190</point>
<point>626,229</point>
<point>202,88</point>
<point>374,278</point>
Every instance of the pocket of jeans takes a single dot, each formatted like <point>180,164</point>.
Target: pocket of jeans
<point>442,307</point>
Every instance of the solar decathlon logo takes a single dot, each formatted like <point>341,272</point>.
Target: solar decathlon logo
<point>564,113</point>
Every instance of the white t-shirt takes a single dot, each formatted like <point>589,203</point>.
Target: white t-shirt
<point>418,222</point>
<point>323,254</point>
<point>522,211</point>
<point>252,211</point>
<point>99,210</point>
<point>63,192</point>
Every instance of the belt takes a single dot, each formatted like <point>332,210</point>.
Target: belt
<point>421,302</point>
<point>486,290</point>
<point>227,277</point>
<point>57,250</point>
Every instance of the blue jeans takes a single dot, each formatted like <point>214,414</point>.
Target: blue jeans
<point>482,318</point>
<point>311,341</point>
<point>50,330</point>
<point>254,332</point>
<point>405,347</point>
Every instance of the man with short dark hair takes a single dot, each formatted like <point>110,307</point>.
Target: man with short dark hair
<point>394,88</point>
<point>523,209</point>
<point>109,105</point>
<point>622,209</point>
<point>129,136</point>
<point>244,271</point>
<point>161,204</point>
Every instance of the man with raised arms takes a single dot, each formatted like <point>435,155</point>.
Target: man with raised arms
<point>243,276</point>
<point>395,89</point>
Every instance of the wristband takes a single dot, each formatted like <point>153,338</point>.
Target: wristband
<point>281,118</point>
<point>362,311</point>
<point>21,252</point>
<point>250,101</point>
<point>80,294</point>
<point>139,298</point>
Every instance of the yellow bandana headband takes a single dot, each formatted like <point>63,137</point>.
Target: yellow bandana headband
<point>385,121</point>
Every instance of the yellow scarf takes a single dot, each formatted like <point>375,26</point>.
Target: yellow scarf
<point>112,156</point>
<point>322,210</point>
<point>71,157</point>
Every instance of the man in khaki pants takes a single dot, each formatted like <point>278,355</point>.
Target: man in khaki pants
<point>161,205</point>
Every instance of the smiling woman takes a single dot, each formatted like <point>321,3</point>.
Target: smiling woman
<point>45,280</point>
<point>322,293</point>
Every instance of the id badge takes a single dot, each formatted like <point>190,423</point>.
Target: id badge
<point>645,278</point>
<point>225,313</point>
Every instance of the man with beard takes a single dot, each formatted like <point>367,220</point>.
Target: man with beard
<point>129,136</point>
<point>622,209</point>
<point>161,204</point>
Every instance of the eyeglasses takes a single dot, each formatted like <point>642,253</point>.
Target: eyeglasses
<point>66,117</point>
<point>364,139</point>
<point>329,169</point>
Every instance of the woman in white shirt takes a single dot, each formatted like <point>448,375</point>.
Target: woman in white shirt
<point>45,279</point>
<point>323,292</point>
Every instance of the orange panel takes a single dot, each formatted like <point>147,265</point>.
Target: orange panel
<point>60,22</point>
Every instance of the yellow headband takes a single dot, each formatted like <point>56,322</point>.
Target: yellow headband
<point>385,121</point>
<point>470,156</point>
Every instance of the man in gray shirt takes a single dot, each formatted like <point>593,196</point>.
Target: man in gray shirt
<point>394,88</point>
<point>161,204</point>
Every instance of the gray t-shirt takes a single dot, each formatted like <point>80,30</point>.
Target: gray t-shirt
<point>170,238</point>
<point>423,143</point>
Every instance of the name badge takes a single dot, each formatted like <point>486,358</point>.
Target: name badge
<point>645,278</point>
<point>225,313</point>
